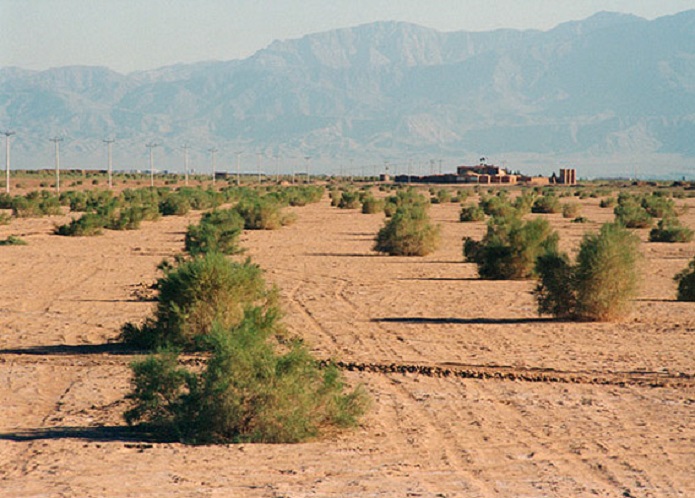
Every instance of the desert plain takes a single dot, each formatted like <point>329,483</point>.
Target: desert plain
<point>473,394</point>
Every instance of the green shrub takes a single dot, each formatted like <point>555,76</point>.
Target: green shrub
<point>349,200</point>
<point>659,206</point>
<point>247,391</point>
<point>194,295</point>
<point>686,283</point>
<point>174,205</point>
<point>600,286</point>
<point>262,214</point>
<point>471,213</point>
<point>408,233</point>
<point>570,210</point>
<point>607,202</point>
<point>510,248</point>
<point>89,224</point>
<point>371,205</point>
<point>547,204</point>
<point>670,230</point>
<point>5,218</point>
<point>632,215</point>
<point>13,241</point>
<point>217,231</point>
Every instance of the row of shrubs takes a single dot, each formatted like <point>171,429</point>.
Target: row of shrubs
<point>257,383</point>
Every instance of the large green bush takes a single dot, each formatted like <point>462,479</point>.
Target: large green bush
<point>195,294</point>
<point>630,213</point>
<point>408,232</point>
<point>686,283</point>
<point>372,205</point>
<point>602,283</point>
<point>262,214</point>
<point>471,213</point>
<point>252,389</point>
<point>510,248</point>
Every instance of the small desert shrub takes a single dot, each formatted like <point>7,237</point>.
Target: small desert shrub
<point>13,241</point>
<point>608,202</point>
<point>659,206</point>
<point>670,230</point>
<point>580,219</point>
<point>686,283</point>
<point>371,205</point>
<point>262,214</point>
<point>128,218</point>
<point>546,204</point>
<point>599,286</point>
<point>570,210</point>
<point>174,205</point>
<point>5,218</point>
<point>408,233</point>
<point>217,231</point>
<point>349,200</point>
<point>194,295</point>
<point>510,248</point>
<point>251,389</point>
<point>631,214</point>
<point>89,224</point>
<point>443,196</point>
<point>471,213</point>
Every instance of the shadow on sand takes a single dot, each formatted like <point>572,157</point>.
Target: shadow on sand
<point>75,349</point>
<point>96,434</point>
<point>465,321</point>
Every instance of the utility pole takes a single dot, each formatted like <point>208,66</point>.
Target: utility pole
<point>185,148</point>
<point>7,134</point>
<point>56,141</point>
<point>308,168</point>
<point>238,174</point>
<point>212,152</point>
<point>151,146</point>
<point>258,166</point>
<point>109,142</point>
<point>277,168</point>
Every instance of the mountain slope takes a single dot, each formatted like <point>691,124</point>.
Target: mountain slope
<point>600,91</point>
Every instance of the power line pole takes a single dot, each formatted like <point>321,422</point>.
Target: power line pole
<point>238,174</point>
<point>277,168</point>
<point>308,168</point>
<point>212,152</point>
<point>56,141</point>
<point>185,148</point>
<point>7,134</point>
<point>258,166</point>
<point>109,142</point>
<point>151,146</point>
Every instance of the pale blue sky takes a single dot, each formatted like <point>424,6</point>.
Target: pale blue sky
<point>128,35</point>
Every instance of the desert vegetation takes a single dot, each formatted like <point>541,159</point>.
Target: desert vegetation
<point>409,232</point>
<point>685,280</point>
<point>599,286</point>
<point>510,247</point>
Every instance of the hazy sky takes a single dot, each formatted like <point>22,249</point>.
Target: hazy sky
<point>128,35</point>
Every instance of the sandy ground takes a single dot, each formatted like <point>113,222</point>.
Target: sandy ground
<point>504,403</point>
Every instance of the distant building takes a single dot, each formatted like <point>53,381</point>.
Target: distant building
<point>566,177</point>
<point>485,173</point>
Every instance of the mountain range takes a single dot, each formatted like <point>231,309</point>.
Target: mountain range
<point>611,95</point>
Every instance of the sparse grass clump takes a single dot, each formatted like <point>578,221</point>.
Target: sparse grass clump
<point>509,249</point>
<point>686,283</point>
<point>409,231</point>
<point>13,241</point>
<point>670,230</point>
<point>570,210</point>
<point>600,286</point>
